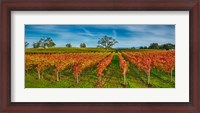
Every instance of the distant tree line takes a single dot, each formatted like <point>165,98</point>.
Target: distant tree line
<point>46,42</point>
<point>104,42</point>
<point>166,46</point>
<point>82,45</point>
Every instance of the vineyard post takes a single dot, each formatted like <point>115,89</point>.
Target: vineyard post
<point>149,75</point>
<point>38,74</point>
<point>57,76</point>
<point>77,79</point>
<point>100,78</point>
<point>171,75</point>
<point>25,71</point>
<point>124,80</point>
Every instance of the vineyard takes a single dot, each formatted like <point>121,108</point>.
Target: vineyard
<point>124,69</point>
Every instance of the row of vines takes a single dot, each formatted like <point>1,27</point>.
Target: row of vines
<point>78,62</point>
<point>147,60</point>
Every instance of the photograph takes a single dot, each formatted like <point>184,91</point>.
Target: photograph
<point>99,56</point>
<point>139,56</point>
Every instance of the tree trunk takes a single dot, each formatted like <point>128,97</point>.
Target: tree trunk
<point>57,76</point>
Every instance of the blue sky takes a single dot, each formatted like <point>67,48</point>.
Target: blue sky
<point>126,35</point>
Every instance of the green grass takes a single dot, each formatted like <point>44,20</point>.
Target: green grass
<point>87,79</point>
<point>112,78</point>
<point>60,50</point>
<point>64,50</point>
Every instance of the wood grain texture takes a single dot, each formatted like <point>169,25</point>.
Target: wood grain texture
<point>99,5</point>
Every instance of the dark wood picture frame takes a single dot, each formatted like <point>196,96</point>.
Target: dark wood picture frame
<point>193,106</point>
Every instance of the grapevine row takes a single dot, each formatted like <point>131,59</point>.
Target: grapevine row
<point>146,60</point>
<point>77,61</point>
<point>103,65</point>
<point>123,65</point>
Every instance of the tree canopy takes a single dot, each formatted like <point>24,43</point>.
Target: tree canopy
<point>26,44</point>
<point>68,45</point>
<point>154,46</point>
<point>82,45</point>
<point>106,42</point>
<point>44,42</point>
<point>166,46</point>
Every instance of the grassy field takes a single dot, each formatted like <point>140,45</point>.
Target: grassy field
<point>88,79</point>
<point>65,50</point>
<point>75,50</point>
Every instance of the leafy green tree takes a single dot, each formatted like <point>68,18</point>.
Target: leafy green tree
<point>133,48</point>
<point>26,44</point>
<point>106,42</point>
<point>68,45</point>
<point>41,43</point>
<point>167,46</point>
<point>154,46</point>
<point>145,47</point>
<point>36,45</point>
<point>82,45</point>
<point>141,47</point>
<point>44,43</point>
<point>49,42</point>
